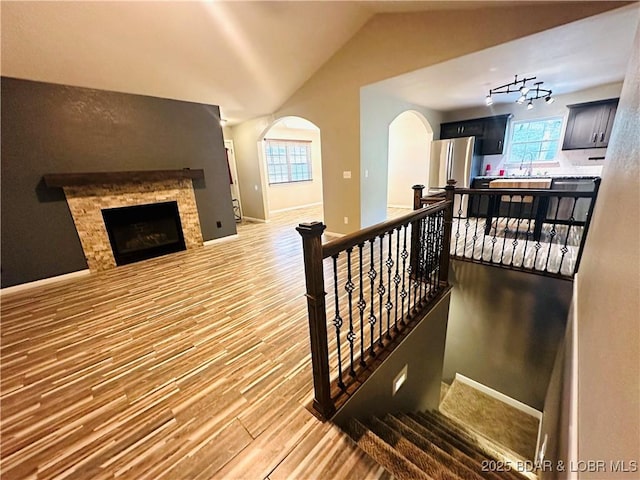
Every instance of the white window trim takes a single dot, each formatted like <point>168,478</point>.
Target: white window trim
<point>552,162</point>
<point>309,145</point>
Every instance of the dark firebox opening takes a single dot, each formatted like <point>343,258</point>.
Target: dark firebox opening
<point>144,231</point>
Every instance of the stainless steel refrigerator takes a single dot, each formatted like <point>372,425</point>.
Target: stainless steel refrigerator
<point>453,159</point>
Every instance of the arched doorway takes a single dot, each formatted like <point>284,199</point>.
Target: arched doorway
<point>291,157</point>
<point>410,136</point>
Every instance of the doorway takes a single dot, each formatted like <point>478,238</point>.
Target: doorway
<point>410,136</point>
<point>292,160</point>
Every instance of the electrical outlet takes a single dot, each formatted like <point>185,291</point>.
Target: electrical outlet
<point>346,174</point>
<point>346,220</point>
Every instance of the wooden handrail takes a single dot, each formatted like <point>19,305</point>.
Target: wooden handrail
<point>348,241</point>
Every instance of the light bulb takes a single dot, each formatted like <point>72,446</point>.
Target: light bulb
<point>223,122</point>
<point>488,100</point>
<point>521,99</point>
<point>549,99</point>
<point>530,105</point>
<point>524,90</point>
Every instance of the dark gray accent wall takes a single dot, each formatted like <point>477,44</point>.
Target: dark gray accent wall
<point>49,128</point>
<point>423,353</point>
<point>505,328</point>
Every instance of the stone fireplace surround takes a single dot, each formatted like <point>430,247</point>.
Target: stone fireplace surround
<point>88,194</point>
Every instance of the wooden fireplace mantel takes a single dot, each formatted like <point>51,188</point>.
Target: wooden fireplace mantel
<point>93,178</point>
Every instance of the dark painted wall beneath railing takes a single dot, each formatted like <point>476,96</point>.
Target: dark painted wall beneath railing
<point>423,353</point>
<point>48,128</point>
<point>505,328</point>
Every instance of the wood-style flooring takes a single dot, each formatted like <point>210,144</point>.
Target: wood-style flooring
<point>194,365</point>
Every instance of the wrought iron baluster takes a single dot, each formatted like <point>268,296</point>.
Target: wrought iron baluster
<point>506,229</point>
<point>466,222</point>
<point>372,277</point>
<point>337,321</point>
<point>475,231</point>
<point>564,248</point>
<point>527,235</point>
<point>418,280</point>
<point>494,239</point>
<point>441,247</point>
<point>381,290</point>
<point>434,255</point>
<point>515,237</point>
<point>552,233</point>
<point>404,255</point>
<point>396,277</point>
<point>457,235</point>
<point>428,257</point>
<point>389,264</point>
<point>362,304</point>
<point>350,287</point>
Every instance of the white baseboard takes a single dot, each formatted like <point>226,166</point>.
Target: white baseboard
<point>334,234</point>
<point>44,281</point>
<point>252,219</point>
<point>407,207</point>
<point>220,240</point>
<point>500,396</point>
<point>288,209</point>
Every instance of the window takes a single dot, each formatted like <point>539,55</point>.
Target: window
<point>288,160</point>
<point>535,140</point>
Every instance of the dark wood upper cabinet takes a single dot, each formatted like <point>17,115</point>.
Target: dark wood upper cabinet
<point>492,142</point>
<point>489,132</point>
<point>590,124</point>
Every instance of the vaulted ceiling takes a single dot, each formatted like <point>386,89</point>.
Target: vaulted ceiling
<point>247,57</point>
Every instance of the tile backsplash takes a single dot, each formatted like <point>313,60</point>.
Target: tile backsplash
<point>584,162</point>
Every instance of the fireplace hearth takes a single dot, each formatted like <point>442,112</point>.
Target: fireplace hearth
<point>141,232</point>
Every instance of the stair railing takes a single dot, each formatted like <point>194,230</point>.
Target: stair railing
<point>382,281</point>
<point>532,230</point>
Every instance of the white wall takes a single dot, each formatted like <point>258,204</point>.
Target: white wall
<point>568,161</point>
<point>285,196</point>
<point>377,111</point>
<point>608,299</point>
<point>409,153</point>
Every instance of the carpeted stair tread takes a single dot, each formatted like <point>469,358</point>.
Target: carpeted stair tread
<point>406,447</point>
<point>454,433</point>
<point>460,443</point>
<point>453,429</point>
<point>450,447</point>
<point>383,453</point>
<point>485,443</point>
<point>452,461</point>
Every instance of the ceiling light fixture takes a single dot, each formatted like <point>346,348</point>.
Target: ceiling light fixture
<point>527,93</point>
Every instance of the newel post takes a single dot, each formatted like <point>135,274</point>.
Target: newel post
<point>417,196</point>
<point>450,191</point>
<point>312,250</point>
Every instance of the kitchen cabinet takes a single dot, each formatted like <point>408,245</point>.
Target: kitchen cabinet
<point>590,124</point>
<point>466,128</point>
<point>489,132</point>
<point>492,141</point>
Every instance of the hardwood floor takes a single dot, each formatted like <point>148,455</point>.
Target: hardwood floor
<point>194,365</point>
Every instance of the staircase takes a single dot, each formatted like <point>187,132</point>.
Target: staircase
<point>431,446</point>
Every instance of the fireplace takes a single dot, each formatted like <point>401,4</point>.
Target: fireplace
<point>140,232</point>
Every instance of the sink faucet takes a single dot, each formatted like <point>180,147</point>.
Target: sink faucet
<point>529,171</point>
